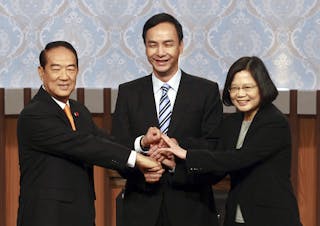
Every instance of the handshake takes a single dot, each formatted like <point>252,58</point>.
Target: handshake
<point>161,151</point>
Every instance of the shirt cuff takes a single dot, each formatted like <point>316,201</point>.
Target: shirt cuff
<point>132,159</point>
<point>137,146</point>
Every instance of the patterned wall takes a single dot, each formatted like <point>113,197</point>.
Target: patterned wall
<point>107,35</point>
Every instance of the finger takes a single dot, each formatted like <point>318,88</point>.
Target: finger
<point>160,172</point>
<point>165,151</point>
<point>161,159</point>
<point>153,177</point>
<point>152,150</point>
<point>162,143</point>
<point>167,140</point>
<point>155,169</point>
<point>154,154</point>
<point>170,156</point>
<point>152,180</point>
<point>174,140</point>
<point>170,163</point>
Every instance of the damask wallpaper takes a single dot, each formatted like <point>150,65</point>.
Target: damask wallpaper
<point>107,36</point>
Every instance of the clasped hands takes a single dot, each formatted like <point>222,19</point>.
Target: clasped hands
<point>161,149</point>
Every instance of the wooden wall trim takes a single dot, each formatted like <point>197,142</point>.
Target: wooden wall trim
<point>107,127</point>
<point>294,125</point>
<point>107,122</point>
<point>80,95</point>
<point>2,161</point>
<point>26,96</point>
<point>318,157</point>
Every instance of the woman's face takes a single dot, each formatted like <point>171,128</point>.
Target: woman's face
<point>244,94</point>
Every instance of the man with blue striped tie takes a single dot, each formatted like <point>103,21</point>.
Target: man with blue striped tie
<point>185,107</point>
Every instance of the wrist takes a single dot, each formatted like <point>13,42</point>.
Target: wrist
<point>143,146</point>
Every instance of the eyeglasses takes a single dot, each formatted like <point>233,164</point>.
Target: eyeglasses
<point>246,89</point>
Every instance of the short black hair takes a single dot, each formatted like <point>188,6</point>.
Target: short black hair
<point>259,72</point>
<point>56,44</point>
<point>162,18</point>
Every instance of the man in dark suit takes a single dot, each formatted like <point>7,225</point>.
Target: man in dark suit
<point>195,111</point>
<point>56,154</point>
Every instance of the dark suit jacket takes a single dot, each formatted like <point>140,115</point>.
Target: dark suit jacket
<point>196,114</point>
<point>260,170</point>
<point>56,163</point>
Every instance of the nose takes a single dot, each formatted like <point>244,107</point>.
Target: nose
<point>160,50</point>
<point>241,92</point>
<point>64,74</point>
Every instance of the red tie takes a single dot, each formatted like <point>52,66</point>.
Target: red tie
<point>69,115</point>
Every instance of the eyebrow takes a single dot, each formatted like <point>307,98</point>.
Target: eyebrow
<point>244,84</point>
<point>152,41</point>
<point>59,65</point>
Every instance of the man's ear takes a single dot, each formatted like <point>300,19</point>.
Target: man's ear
<point>41,72</point>
<point>181,46</point>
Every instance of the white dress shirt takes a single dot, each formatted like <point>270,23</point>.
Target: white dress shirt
<point>172,94</point>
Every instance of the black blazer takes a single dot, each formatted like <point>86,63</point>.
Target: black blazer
<point>56,184</point>
<point>197,113</point>
<point>260,170</point>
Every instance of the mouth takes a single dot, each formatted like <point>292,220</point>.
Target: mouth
<point>242,102</point>
<point>64,86</point>
<point>161,62</point>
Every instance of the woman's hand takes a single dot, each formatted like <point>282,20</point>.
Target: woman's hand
<point>173,148</point>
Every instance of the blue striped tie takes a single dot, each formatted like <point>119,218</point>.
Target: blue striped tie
<point>164,109</point>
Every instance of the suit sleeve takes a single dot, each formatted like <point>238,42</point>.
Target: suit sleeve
<point>45,132</point>
<point>269,139</point>
<point>120,120</point>
<point>210,133</point>
<point>122,132</point>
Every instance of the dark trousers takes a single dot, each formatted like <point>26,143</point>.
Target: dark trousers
<point>163,219</point>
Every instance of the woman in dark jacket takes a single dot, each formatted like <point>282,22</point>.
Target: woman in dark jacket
<point>255,149</point>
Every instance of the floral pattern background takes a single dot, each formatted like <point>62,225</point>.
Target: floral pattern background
<point>107,36</point>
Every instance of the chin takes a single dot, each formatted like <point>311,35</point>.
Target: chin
<point>243,109</point>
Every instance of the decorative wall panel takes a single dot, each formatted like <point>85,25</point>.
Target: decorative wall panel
<point>107,36</point>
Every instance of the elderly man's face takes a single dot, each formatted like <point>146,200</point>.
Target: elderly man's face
<point>60,73</point>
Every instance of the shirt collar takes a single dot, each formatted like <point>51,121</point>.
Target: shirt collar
<point>173,82</point>
<point>60,103</point>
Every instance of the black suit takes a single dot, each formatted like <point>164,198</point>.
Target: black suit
<point>56,163</point>
<point>196,114</point>
<point>260,170</point>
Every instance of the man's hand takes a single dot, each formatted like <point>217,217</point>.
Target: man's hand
<point>152,136</point>
<point>153,175</point>
<point>151,169</point>
<point>145,163</point>
<point>167,160</point>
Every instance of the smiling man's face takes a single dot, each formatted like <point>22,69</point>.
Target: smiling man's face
<point>60,73</point>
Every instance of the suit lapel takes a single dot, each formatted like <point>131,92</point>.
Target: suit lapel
<point>258,119</point>
<point>146,98</point>
<point>181,103</point>
<point>54,108</point>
